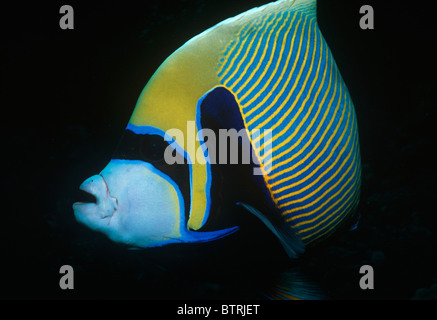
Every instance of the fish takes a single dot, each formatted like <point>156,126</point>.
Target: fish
<point>269,74</point>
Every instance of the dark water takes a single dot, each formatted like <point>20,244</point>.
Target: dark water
<point>69,95</point>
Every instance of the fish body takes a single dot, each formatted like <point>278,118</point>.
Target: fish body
<point>267,71</point>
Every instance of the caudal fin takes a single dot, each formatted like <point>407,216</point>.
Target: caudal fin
<point>294,285</point>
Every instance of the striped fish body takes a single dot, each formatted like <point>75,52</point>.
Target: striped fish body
<point>281,73</point>
<point>285,79</point>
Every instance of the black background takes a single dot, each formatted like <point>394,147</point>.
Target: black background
<point>68,95</point>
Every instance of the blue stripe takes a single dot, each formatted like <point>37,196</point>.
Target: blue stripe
<point>316,100</point>
<point>281,66</point>
<point>246,50</point>
<point>263,63</point>
<point>329,185</point>
<point>311,170</point>
<point>285,93</point>
<point>345,208</point>
<point>263,36</point>
<point>307,109</point>
<point>311,147</point>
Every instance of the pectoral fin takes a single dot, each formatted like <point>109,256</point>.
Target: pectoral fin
<point>197,236</point>
<point>290,241</point>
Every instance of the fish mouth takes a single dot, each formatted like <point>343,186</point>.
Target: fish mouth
<point>94,198</point>
<point>85,197</point>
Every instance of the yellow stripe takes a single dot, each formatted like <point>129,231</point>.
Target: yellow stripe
<point>355,199</point>
<point>297,81</point>
<point>273,73</point>
<point>328,158</point>
<point>280,291</point>
<point>291,122</point>
<point>267,108</point>
<point>308,129</point>
<point>262,59</point>
<point>351,202</point>
<point>309,126</point>
<point>294,156</point>
<point>243,73</point>
<point>246,52</point>
<point>240,34</point>
<point>307,7</point>
<point>291,92</point>
<point>318,156</point>
<point>308,205</point>
<point>231,64</point>
<point>340,167</point>
<point>326,202</point>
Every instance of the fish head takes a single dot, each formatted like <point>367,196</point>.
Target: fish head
<point>136,204</point>
<point>140,199</point>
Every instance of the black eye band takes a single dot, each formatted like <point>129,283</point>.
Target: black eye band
<point>152,148</point>
<point>146,147</point>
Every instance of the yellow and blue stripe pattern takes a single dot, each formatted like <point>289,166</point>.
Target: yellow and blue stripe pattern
<point>284,78</point>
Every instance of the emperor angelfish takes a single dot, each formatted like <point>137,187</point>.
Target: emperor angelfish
<point>268,71</point>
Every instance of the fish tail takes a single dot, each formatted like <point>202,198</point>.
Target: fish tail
<point>294,285</point>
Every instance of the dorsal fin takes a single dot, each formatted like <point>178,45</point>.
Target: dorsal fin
<point>305,5</point>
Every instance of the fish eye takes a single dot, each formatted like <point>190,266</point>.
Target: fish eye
<point>152,147</point>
